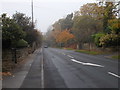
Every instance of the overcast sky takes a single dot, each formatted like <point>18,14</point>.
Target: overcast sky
<point>46,12</point>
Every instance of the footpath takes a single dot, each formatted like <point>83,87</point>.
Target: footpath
<point>25,70</point>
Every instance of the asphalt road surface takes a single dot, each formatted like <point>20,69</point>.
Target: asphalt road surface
<point>58,68</point>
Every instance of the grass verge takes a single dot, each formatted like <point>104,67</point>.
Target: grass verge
<point>116,57</point>
<point>89,52</point>
<point>69,48</point>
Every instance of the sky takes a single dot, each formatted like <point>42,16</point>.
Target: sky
<point>46,12</point>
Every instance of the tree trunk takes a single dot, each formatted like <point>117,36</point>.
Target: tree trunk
<point>79,46</point>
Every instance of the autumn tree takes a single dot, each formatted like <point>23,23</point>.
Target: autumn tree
<point>111,25</point>
<point>84,27</point>
<point>93,10</point>
<point>64,37</point>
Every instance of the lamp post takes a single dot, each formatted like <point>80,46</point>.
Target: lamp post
<point>32,13</point>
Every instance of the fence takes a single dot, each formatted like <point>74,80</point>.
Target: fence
<point>11,57</point>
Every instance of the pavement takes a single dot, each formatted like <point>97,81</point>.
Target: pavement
<point>20,72</point>
<point>58,68</point>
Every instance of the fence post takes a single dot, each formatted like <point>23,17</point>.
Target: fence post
<point>14,58</point>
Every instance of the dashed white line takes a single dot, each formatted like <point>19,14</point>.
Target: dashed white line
<point>114,74</point>
<point>77,61</point>
<point>63,53</point>
<point>70,56</point>
<point>94,64</point>
<point>91,64</point>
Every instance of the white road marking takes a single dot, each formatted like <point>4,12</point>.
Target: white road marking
<point>77,61</point>
<point>70,56</point>
<point>91,64</point>
<point>42,71</point>
<point>63,53</point>
<point>94,64</point>
<point>114,74</point>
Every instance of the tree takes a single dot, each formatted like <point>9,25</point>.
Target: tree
<point>33,36</point>
<point>110,12</point>
<point>97,38</point>
<point>11,32</point>
<point>50,37</point>
<point>67,23</point>
<point>93,10</point>
<point>114,26</point>
<point>26,24</point>
<point>84,27</point>
<point>110,40</point>
<point>64,37</point>
<point>23,21</point>
<point>113,38</point>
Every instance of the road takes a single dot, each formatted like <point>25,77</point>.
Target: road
<point>58,68</point>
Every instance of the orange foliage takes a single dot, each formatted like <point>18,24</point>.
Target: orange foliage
<point>55,33</point>
<point>64,36</point>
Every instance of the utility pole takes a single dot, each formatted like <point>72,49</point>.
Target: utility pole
<point>32,13</point>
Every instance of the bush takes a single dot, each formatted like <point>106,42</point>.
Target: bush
<point>22,43</point>
<point>97,37</point>
<point>110,40</point>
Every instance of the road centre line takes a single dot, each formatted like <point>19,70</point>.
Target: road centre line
<point>70,56</point>
<point>83,63</point>
<point>114,74</point>
<point>63,53</point>
<point>94,64</point>
<point>77,61</point>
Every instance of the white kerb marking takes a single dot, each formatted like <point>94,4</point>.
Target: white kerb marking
<point>114,74</point>
<point>70,56</point>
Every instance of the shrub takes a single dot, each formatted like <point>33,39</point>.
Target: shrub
<point>22,43</point>
<point>97,37</point>
<point>110,40</point>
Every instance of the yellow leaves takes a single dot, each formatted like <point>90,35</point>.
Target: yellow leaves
<point>64,36</point>
<point>55,33</point>
<point>92,9</point>
<point>114,24</point>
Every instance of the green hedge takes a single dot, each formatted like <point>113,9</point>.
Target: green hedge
<point>22,43</point>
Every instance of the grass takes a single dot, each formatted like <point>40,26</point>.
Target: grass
<point>89,52</point>
<point>69,48</point>
<point>116,57</point>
